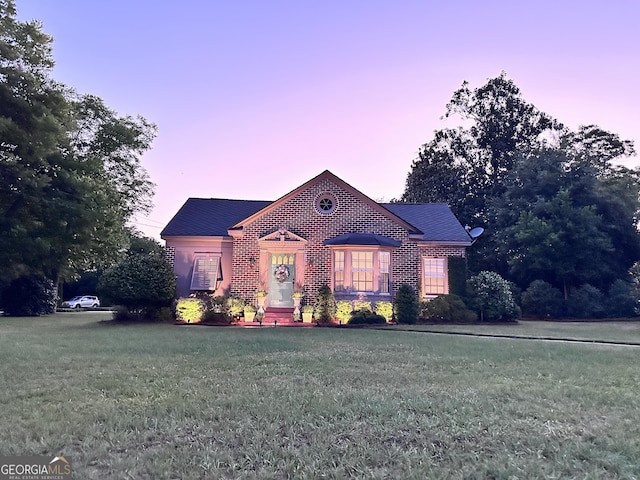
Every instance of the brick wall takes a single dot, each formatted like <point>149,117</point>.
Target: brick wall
<point>440,251</point>
<point>170,255</point>
<point>299,215</point>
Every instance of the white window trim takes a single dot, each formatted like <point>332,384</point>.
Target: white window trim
<point>386,271</point>
<point>336,270</point>
<point>445,277</point>
<point>347,270</point>
<point>364,270</point>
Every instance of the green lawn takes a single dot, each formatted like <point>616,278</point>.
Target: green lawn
<point>168,402</point>
<point>617,332</point>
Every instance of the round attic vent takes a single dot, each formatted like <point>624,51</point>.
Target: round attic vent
<point>325,203</point>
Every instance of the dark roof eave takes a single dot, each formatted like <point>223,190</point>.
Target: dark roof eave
<point>363,239</point>
<point>446,242</point>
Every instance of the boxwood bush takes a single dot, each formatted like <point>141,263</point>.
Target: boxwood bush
<point>365,317</point>
<point>385,309</point>
<point>491,297</point>
<point>542,299</point>
<point>586,301</point>
<point>190,310</point>
<point>343,310</point>
<point>325,306</point>
<point>620,301</point>
<point>405,305</point>
<point>447,308</point>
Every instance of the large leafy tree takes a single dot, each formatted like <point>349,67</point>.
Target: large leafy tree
<point>554,204</point>
<point>466,166</point>
<point>70,176</point>
<point>568,220</point>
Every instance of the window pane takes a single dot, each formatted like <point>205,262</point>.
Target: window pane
<point>338,270</point>
<point>434,276</point>
<point>205,272</point>
<point>362,271</point>
<point>385,259</point>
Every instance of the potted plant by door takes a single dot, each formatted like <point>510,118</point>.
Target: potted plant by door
<point>307,313</point>
<point>297,300</point>
<point>249,313</point>
<point>261,295</point>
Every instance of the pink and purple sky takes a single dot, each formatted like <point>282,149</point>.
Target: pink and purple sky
<point>253,97</point>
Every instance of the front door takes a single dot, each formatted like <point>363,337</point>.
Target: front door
<point>281,278</point>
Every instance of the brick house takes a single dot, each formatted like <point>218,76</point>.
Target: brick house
<point>325,232</point>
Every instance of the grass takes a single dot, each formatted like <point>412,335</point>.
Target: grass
<point>608,331</point>
<point>167,402</point>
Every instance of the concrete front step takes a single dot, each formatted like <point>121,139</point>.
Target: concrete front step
<point>280,315</point>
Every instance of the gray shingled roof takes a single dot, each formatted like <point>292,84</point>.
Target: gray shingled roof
<point>214,216</point>
<point>435,220</point>
<point>210,216</point>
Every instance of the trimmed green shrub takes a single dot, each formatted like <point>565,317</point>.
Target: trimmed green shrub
<point>121,314</point>
<point>212,303</point>
<point>190,310</point>
<point>620,301</point>
<point>343,310</point>
<point>384,309</point>
<point>29,297</point>
<point>162,314</point>
<point>490,296</point>
<point>448,308</point>
<point>139,282</point>
<point>234,307</point>
<point>405,305</point>
<point>325,306</point>
<point>586,301</point>
<point>541,298</point>
<point>365,317</point>
<point>216,318</point>
<point>362,305</point>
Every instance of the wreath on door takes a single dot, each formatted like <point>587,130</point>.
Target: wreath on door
<point>281,273</point>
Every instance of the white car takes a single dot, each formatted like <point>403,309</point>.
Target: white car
<point>84,301</point>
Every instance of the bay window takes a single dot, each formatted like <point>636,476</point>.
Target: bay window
<point>361,270</point>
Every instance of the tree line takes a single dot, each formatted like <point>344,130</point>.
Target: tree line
<point>70,172</point>
<point>556,204</point>
<point>558,209</point>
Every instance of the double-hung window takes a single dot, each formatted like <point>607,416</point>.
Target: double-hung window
<point>384,259</point>
<point>206,271</point>
<point>362,271</point>
<point>434,276</point>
